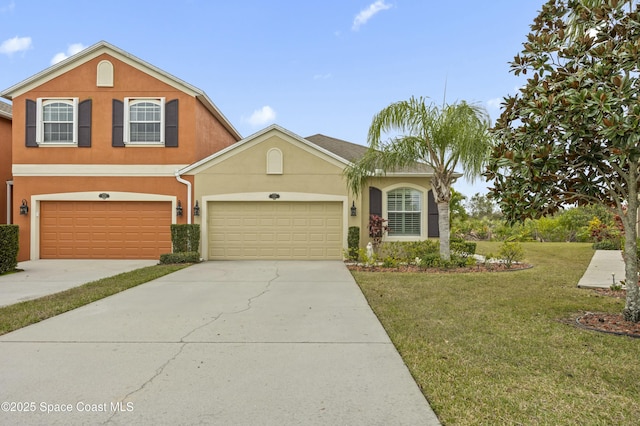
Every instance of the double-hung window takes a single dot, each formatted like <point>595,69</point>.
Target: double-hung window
<point>144,121</point>
<point>404,209</point>
<point>57,121</point>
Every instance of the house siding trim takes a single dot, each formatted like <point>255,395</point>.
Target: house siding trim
<point>145,170</point>
<point>86,196</point>
<point>264,197</point>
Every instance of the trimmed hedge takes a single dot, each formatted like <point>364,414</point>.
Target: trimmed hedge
<point>185,237</point>
<point>9,244</point>
<point>183,257</point>
<point>353,241</point>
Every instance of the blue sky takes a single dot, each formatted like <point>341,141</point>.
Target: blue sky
<point>310,66</point>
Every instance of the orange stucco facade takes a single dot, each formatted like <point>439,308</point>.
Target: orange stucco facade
<point>144,170</point>
<point>5,164</point>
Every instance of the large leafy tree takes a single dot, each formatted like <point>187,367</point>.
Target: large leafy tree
<point>441,137</point>
<point>571,136</point>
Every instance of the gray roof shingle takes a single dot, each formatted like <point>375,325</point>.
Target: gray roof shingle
<point>353,152</point>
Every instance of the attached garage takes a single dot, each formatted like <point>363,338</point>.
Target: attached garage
<point>275,230</point>
<point>104,229</point>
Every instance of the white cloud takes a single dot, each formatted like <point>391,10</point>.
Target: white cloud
<point>8,8</point>
<point>366,14</point>
<point>494,103</point>
<point>71,50</point>
<point>262,116</point>
<point>16,44</point>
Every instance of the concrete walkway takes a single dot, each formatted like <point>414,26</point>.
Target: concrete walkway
<point>43,277</point>
<point>606,267</point>
<point>228,343</point>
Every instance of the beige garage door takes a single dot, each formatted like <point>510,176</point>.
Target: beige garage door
<point>275,230</point>
<point>104,230</point>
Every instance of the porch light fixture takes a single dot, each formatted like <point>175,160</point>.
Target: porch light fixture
<point>179,209</point>
<point>24,208</point>
<point>354,209</point>
<point>274,196</point>
<point>196,209</point>
<point>103,195</point>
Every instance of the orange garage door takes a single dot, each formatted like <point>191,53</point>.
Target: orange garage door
<point>104,230</point>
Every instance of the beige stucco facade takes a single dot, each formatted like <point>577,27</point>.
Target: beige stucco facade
<point>277,163</point>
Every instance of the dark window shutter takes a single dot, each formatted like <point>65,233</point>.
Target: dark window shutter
<point>375,201</point>
<point>30,119</point>
<point>171,123</point>
<point>117,135</point>
<point>84,123</point>
<point>433,231</point>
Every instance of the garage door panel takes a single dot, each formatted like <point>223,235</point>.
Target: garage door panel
<point>275,230</point>
<point>110,230</point>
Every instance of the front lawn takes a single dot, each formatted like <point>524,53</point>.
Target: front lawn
<point>501,348</point>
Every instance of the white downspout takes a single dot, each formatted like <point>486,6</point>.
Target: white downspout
<point>186,182</point>
<point>9,193</point>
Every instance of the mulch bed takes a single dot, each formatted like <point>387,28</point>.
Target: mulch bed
<point>493,267</point>
<point>609,323</point>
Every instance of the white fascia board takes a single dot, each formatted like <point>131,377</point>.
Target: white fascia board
<point>133,170</point>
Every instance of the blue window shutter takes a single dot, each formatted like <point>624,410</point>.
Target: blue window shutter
<point>30,119</point>
<point>84,123</point>
<point>118,124</point>
<point>171,124</point>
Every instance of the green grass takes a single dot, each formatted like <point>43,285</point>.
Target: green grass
<point>13,317</point>
<point>500,347</point>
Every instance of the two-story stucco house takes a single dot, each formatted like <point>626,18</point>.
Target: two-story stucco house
<point>96,142</point>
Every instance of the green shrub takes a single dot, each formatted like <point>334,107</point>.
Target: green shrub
<point>353,242</point>
<point>511,252</point>
<point>614,244</point>
<point>182,257</point>
<point>185,237</point>
<point>9,244</point>
<point>463,248</point>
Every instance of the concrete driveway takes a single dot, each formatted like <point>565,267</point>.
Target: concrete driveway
<point>223,343</point>
<point>43,277</point>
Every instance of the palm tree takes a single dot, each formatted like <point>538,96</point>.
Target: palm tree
<point>442,138</point>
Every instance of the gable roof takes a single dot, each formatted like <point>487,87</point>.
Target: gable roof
<point>352,152</point>
<point>260,135</point>
<point>102,47</point>
<point>6,110</point>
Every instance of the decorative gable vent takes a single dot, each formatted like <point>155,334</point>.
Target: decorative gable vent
<point>105,74</point>
<point>274,162</point>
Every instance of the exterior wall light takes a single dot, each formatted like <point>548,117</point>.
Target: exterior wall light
<point>274,196</point>
<point>24,208</point>
<point>354,209</point>
<point>196,209</point>
<point>179,209</point>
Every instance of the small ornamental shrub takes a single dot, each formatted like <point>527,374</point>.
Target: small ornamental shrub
<point>8,248</point>
<point>183,257</point>
<point>377,229</point>
<point>353,242</point>
<point>511,252</point>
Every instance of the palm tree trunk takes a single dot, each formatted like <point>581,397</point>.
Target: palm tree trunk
<point>443,227</point>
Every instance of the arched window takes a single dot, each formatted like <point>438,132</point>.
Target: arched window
<point>404,210</point>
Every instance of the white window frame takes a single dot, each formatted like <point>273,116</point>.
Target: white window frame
<point>126,131</point>
<point>423,211</point>
<point>40,104</point>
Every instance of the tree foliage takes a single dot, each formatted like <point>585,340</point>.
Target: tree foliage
<point>571,135</point>
<point>443,138</point>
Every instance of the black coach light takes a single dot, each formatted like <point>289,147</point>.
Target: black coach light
<point>179,209</point>
<point>354,209</point>
<point>24,208</point>
<point>274,196</point>
<point>196,209</point>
